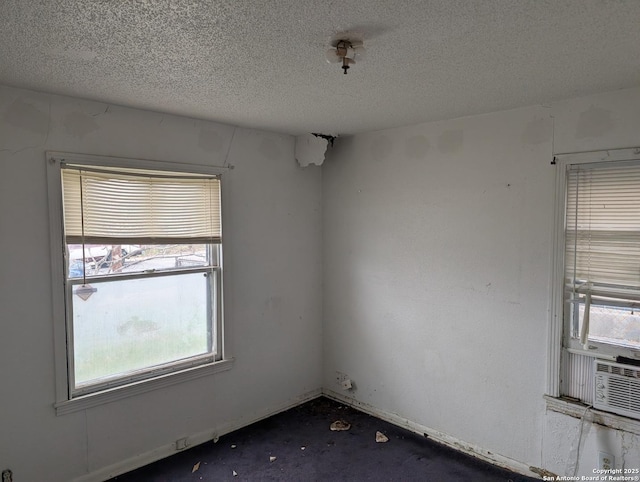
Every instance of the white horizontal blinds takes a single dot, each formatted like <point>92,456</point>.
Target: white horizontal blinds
<point>603,226</point>
<point>140,207</point>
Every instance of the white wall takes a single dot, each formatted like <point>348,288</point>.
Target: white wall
<point>272,247</point>
<point>437,256</point>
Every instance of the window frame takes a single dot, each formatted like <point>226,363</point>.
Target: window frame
<point>142,374</point>
<point>593,293</point>
<point>67,399</point>
<point>559,337</point>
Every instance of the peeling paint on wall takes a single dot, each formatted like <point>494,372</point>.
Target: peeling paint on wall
<point>630,444</point>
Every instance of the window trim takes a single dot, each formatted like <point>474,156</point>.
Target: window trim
<point>64,403</point>
<point>556,325</point>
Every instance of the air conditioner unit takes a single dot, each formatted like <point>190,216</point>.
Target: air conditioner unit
<point>617,388</point>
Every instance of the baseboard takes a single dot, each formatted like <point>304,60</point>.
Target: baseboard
<point>448,440</point>
<point>192,440</point>
<point>195,439</point>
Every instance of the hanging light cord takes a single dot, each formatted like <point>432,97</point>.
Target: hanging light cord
<point>84,256</point>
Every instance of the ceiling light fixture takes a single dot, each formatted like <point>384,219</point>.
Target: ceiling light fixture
<point>346,52</point>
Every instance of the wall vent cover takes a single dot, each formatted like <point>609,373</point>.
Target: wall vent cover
<point>617,388</point>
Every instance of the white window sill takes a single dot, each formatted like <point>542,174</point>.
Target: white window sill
<point>577,410</point>
<point>118,393</point>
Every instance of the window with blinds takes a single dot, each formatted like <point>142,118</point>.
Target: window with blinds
<point>142,272</point>
<point>602,255</point>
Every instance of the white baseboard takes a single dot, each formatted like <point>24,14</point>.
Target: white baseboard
<point>448,440</point>
<point>167,450</point>
<point>192,440</point>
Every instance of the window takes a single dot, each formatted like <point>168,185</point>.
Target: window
<point>596,301</point>
<point>141,271</point>
<point>602,258</point>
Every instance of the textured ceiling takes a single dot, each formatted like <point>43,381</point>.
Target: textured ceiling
<point>261,63</point>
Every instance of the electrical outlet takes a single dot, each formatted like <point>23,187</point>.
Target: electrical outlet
<point>7,476</point>
<point>344,381</point>
<point>606,461</point>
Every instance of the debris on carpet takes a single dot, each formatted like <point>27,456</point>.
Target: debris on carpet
<point>340,425</point>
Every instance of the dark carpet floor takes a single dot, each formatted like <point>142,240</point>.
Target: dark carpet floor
<point>298,445</point>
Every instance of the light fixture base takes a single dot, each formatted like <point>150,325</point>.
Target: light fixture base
<point>345,51</point>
